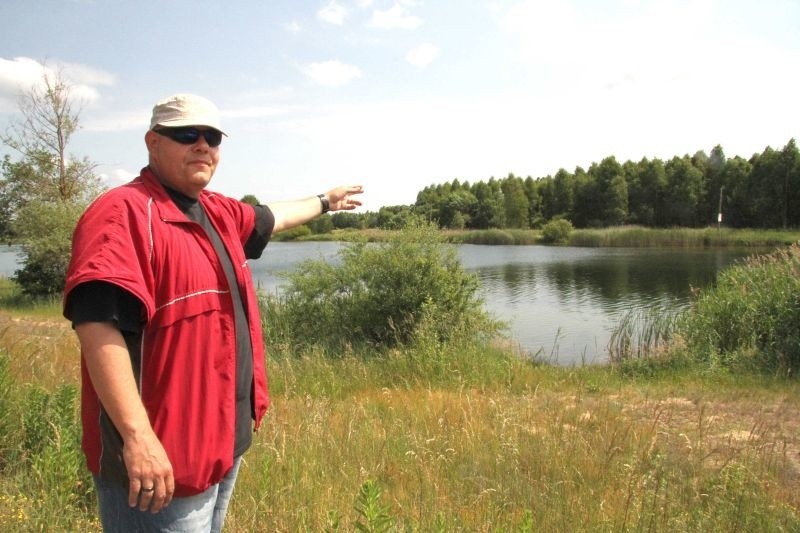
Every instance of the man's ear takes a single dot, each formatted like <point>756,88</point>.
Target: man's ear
<point>150,139</point>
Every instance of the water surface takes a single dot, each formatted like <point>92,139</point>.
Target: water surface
<point>560,303</point>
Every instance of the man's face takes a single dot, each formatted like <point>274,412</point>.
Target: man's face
<point>187,168</point>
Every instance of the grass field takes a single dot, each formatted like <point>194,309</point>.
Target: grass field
<point>474,440</point>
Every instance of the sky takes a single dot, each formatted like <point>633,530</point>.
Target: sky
<point>398,95</point>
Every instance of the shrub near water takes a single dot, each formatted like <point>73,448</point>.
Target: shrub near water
<point>557,231</point>
<point>380,295</point>
<point>751,317</point>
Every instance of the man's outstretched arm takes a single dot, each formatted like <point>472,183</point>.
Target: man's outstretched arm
<point>296,212</point>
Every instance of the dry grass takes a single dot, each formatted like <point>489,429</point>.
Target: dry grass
<point>45,349</point>
<point>580,449</point>
<point>637,458</point>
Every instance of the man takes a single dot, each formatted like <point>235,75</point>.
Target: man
<point>162,300</point>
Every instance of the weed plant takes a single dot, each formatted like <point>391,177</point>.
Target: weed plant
<point>750,320</point>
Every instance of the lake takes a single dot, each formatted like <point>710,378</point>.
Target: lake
<point>560,303</point>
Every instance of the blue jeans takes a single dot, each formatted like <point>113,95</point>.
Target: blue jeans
<point>204,512</point>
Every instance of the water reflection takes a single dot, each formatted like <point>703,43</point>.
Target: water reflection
<point>563,303</point>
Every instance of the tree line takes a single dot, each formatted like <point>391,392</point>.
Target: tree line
<point>689,191</point>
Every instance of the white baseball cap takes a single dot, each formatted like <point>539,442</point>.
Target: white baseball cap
<point>185,110</point>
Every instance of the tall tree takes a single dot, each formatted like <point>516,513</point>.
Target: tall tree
<point>790,163</point>
<point>646,185</point>
<point>712,202</point>
<point>47,187</point>
<point>515,202</point>
<point>612,192</point>
<point>454,209</point>
<point>585,208</point>
<point>533,192</point>
<point>488,210</point>
<point>49,117</point>
<point>563,194</point>
<point>425,206</point>
<point>766,189</point>
<point>684,190</point>
<point>736,204</point>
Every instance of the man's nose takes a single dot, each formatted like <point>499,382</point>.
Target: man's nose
<point>201,144</point>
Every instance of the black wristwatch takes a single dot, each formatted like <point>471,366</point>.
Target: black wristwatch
<point>326,204</point>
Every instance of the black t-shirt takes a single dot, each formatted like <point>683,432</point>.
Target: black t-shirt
<point>99,301</point>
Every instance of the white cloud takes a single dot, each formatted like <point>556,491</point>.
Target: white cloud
<point>396,17</point>
<point>423,55</point>
<point>292,27</point>
<point>117,176</point>
<point>332,73</point>
<point>19,73</point>
<point>333,13</point>
<point>22,73</point>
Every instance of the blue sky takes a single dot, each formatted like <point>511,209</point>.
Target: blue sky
<point>400,94</point>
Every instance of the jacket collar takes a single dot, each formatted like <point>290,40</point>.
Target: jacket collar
<point>167,209</point>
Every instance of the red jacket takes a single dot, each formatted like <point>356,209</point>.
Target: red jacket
<point>135,237</point>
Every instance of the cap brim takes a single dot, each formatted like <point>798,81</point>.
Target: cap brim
<point>182,123</point>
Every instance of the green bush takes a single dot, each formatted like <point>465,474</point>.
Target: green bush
<point>751,317</point>
<point>557,231</point>
<point>380,294</point>
<point>46,232</point>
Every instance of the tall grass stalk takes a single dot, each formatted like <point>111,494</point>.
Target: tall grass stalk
<point>642,333</point>
<point>637,236</point>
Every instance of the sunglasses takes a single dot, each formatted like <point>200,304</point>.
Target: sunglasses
<point>190,135</point>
